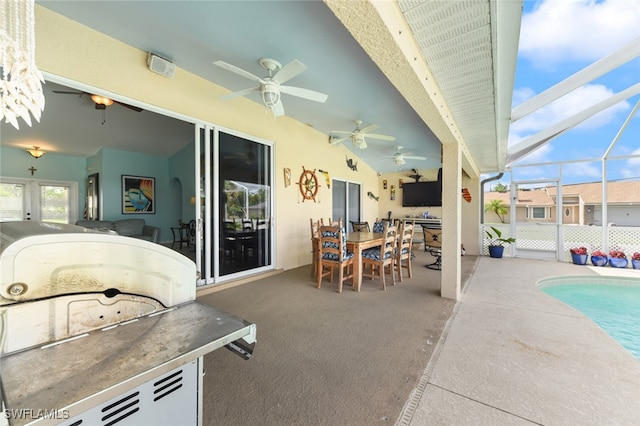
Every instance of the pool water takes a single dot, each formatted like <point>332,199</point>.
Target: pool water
<point>612,303</point>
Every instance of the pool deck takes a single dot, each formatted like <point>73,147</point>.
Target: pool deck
<point>512,354</point>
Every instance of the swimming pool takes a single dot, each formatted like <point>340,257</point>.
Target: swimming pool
<point>613,303</point>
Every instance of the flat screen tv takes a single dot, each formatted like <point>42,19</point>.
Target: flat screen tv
<point>421,194</point>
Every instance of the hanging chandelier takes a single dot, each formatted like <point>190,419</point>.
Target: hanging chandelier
<point>21,81</point>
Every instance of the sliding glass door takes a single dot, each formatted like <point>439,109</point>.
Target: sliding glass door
<point>347,201</point>
<point>235,176</point>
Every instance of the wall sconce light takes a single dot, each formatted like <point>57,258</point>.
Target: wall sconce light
<point>36,152</point>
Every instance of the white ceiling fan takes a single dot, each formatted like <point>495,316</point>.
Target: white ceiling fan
<point>357,136</point>
<point>270,87</point>
<point>400,157</point>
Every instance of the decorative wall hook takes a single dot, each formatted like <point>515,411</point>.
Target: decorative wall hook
<point>352,165</point>
<point>327,179</point>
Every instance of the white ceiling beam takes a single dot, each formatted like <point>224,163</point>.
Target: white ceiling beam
<point>586,75</point>
<point>532,143</point>
<point>505,32</point>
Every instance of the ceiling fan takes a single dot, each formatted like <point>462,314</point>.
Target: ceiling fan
<point>271,86</point>
<point>101,102</point>
<point>400,157</point>
<point>357,136</point>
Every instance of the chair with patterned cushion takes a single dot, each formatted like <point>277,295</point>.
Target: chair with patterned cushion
<point>404,248</point>
<point>360,226</point>
<point>378,226</point>
<point>334,254</point>
<point>378,259</point>
<point>331,222</point>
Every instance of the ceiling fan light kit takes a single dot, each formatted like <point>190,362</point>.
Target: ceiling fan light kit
<point>101,100</point>
<point>271,87</point>
<point>358,136</point>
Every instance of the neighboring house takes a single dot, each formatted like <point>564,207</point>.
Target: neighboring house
<point>582,204</point>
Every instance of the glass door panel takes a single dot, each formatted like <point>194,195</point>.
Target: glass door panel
<point>22,199</point>
<point>245,204</point>
<point>54,204</point>
<point>12,202</point>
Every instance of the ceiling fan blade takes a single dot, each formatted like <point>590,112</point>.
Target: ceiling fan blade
<point>382,137</point>
<point>239,71</point>
<point>304,93</point>
<point>342,132</point>
<point>336,141</point>
<point>134,108</point>
<point>289,71</point>
<point>63,92</point>
<point>278,109</point>
<point>369,128</point>
<point>413,157</point>
<point>239,93</point>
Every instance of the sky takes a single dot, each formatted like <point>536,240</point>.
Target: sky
<point>557,39</point>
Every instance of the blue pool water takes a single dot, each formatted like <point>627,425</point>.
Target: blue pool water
<point>612,303</point>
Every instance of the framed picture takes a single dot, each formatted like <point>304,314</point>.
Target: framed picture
<point>138,195</point>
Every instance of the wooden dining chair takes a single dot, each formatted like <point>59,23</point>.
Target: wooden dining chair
<point>433,245</point>
<point>334,254</point>
<point>378,259</point>
<point>331,222</point>
<point>402,258</point>
<point>315,247</point>
<point>360,226</point>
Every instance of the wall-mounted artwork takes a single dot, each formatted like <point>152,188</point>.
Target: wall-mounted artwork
<point>138,195</point>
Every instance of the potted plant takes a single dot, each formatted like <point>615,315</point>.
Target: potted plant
<point>497,243</point>
<point>618,259</point>
<point>599,258</point>
<point>579,255</point>
<point>635,260</point>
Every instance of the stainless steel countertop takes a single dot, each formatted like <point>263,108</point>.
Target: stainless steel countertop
<point>74,374</point>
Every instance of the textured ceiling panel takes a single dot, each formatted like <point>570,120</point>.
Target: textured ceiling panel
<point>456,41</point>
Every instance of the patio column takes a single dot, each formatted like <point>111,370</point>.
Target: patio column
<point>451,220</point>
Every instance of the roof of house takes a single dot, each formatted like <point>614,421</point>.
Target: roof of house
<point>591,193</point>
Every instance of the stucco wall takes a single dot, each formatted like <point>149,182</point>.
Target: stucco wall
<point>72,51</point>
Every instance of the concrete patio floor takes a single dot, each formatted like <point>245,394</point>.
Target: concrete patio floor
<point>511,354</point>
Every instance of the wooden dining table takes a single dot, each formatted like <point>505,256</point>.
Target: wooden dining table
<point>357,242</point>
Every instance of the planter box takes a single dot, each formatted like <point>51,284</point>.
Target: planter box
<point>635,264</point>
<point>599,260</point>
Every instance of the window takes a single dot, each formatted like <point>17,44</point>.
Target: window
<point>538,212</point>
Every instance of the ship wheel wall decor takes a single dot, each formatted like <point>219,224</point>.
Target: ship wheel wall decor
<point>308,184</point>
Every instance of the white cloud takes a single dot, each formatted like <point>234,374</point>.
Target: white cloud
<point>567,106</point>
<point>561,31</point>
<point>586,171</point>
<point>632,166</point>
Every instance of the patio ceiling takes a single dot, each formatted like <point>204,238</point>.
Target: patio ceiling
<point>442,71</point>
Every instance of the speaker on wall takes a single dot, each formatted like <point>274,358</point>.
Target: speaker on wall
<point>160,65</point>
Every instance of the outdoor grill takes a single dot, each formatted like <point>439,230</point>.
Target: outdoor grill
<point>102,329</point>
